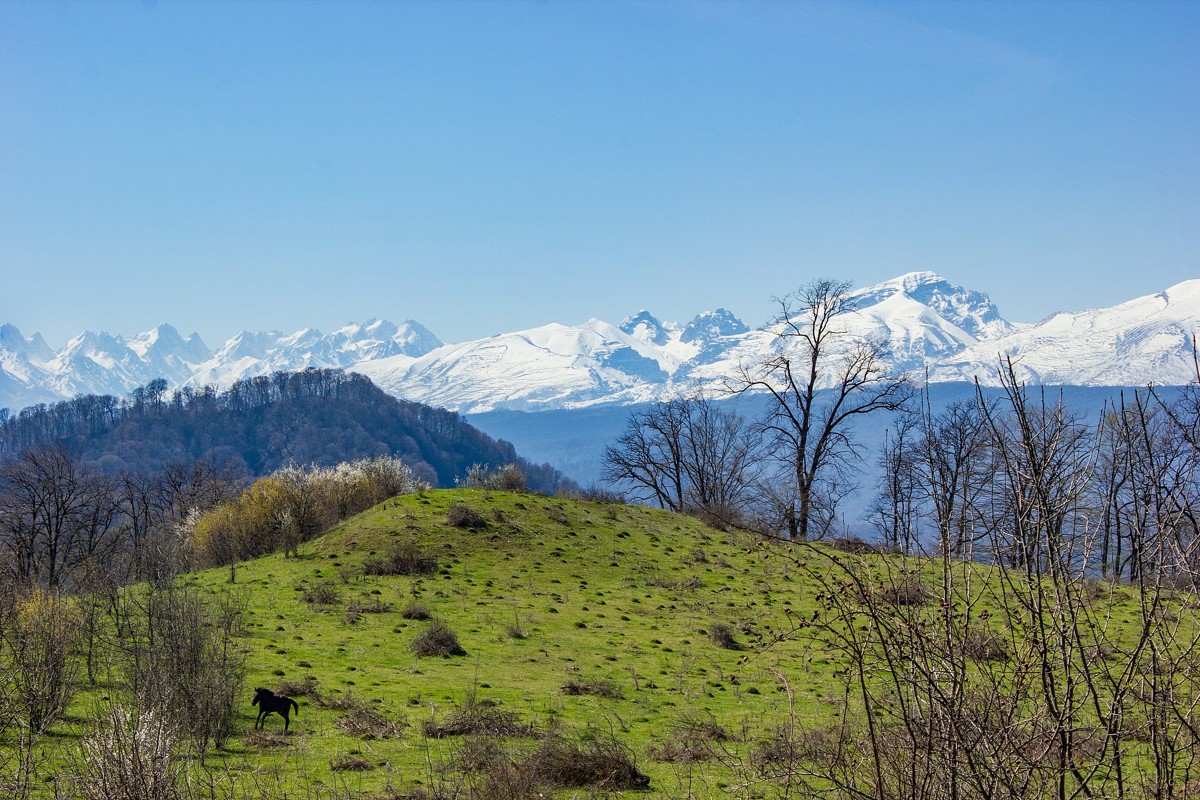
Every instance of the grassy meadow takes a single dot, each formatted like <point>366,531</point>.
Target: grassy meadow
<point>687,651</point>
<point>574,617</point>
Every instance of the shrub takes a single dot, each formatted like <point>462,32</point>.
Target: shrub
<point>722,636</point>
<point>984,646</point>
<point>460,516</point>
<point>601,688</point>
<point>44,631</point>
<point>416,611</point>
<point>263,739</point>
<point>304,688</point>
<point>350,764</point>
<point>131,757</point>
<point>437,640</point>
<point>692,739</point>
<point>401,558</point>
<point>509,478</point>
<point>369,607</point>
<point>907,593</point>
<point>598,762</point>
<point>367,723</point>
<point>323,594</point>
<point>478,717</point>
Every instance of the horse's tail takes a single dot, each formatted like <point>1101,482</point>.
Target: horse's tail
<point>295,705</point>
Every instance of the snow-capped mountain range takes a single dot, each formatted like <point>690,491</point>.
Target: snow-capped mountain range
<point>928,324</point>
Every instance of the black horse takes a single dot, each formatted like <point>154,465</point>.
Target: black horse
<point>268,702</point>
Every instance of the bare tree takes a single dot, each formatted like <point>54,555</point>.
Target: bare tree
<point>57,517</point>
<point>954,465</point>
<point>894,512</point>
<point>821,380</point>
<point>1044,463</point>
<point>686,454</point>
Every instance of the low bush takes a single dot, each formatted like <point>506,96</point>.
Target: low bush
<point>906,593</point>
<point>721,635</point>
<point>437,640</point>
<point>416,611</point>
<point>401,558</point>
<point>693,739</point>
<point>323,594</point>
<point>367,723</point>
<point>476,718</point>
<point>350,764</point>
<point>460,516</point>
<point>600,688</point>
<point>592,762</point>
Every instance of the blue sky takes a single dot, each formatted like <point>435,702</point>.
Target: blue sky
<point>486,167</point>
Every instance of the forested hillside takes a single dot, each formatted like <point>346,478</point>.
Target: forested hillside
<point>313,417</point>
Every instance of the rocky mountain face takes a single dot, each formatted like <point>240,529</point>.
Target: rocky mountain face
<point>928,325</point>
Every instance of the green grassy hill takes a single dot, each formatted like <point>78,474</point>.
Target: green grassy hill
<point>575,617</point>
<point>716,663</point>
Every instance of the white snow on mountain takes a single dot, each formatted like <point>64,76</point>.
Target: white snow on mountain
<point>553,366</point>
<point>925,323</point>
<point>1148,339</point>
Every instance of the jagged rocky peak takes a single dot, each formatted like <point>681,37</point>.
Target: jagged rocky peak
<point>416,339</point>
<point>34,347</point>
<point>248,344</point>
<point>165,342</point>
<point>645,327</point>
<point>380,338</point>
<point>971,310</point>
<point>711,325</point>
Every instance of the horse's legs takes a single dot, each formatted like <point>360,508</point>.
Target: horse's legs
<point>286,721</point>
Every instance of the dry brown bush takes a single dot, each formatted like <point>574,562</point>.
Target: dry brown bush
<point>437,640</point>
<point>460,516</point>
<point>593,762</point>
<point>402,558</point>
<point>478,717</point>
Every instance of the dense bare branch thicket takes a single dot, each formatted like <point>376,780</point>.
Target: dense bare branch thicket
<point>173,670</point>
<point>1051,648</point>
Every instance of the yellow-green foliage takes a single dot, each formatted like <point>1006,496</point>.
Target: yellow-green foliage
<point>42,613</point>
<point>293,505</point>
<point>252,525</point>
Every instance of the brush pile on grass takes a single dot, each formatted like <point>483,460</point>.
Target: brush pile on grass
<point>478,718</point>
<point>460,516</point>
<point>437,640</point>
<point>401,558</point>
<point>693,739</point>
<point>367,723</point>
<point>594,762</point>
<point>600,688</point>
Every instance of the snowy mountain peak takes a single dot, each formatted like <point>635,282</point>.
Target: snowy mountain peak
<point>712,325</point>
<point>970,310</point>
<point>34,348</point>
<point>165,343</point>
<point>645,327</point>
<point>379,338</point>
<point>928,325</point>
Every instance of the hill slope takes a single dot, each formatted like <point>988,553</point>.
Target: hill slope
<point>696,650</point>
<point>715,662</point>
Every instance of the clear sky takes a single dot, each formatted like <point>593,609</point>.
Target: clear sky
<point>491,166</point>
